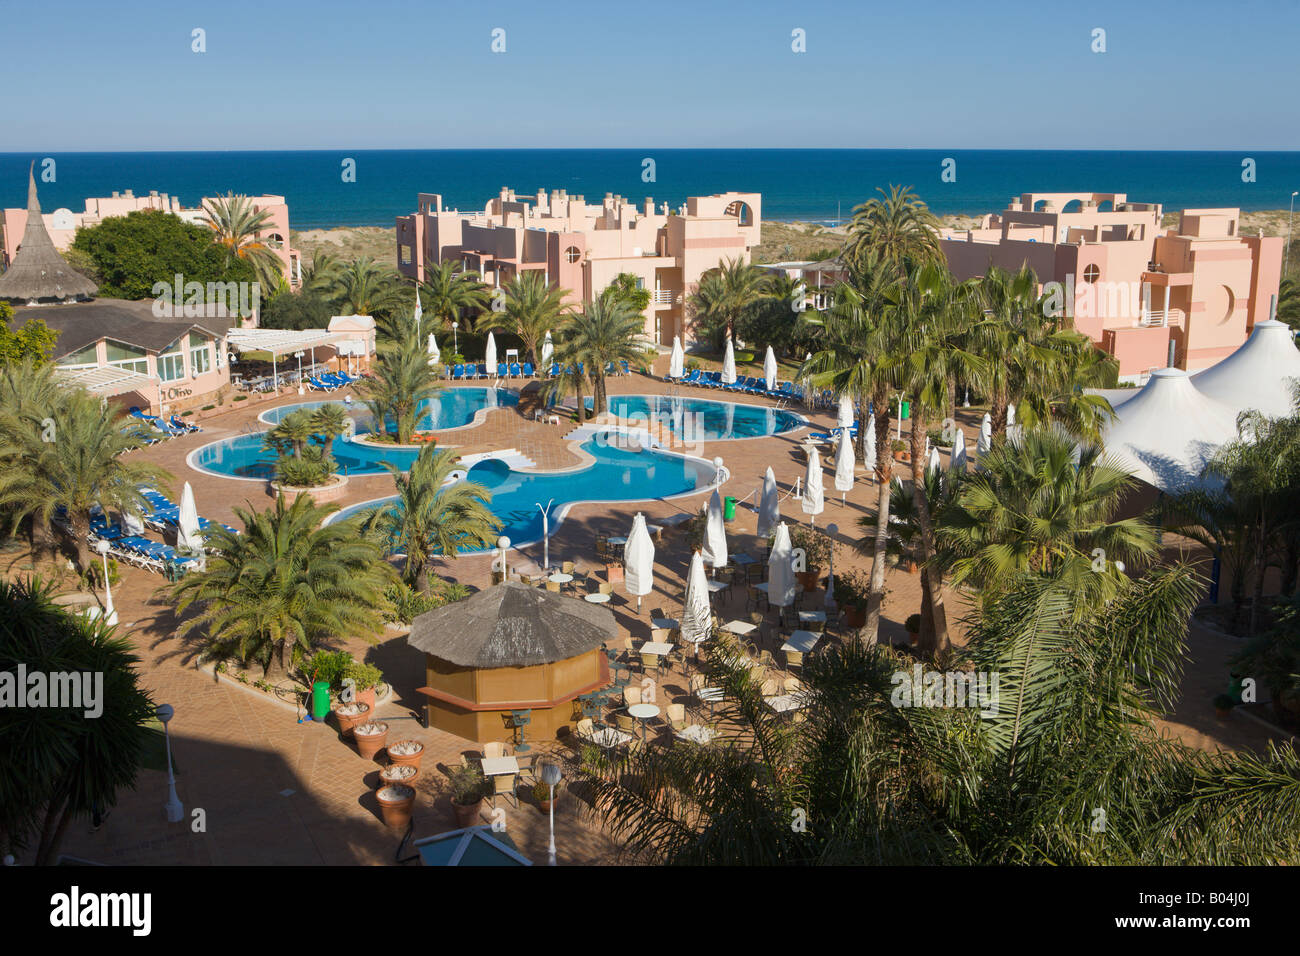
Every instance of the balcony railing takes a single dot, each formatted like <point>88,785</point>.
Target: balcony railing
<point>1159,318</point>
<point>662,297</point>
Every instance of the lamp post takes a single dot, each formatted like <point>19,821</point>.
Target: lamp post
<point>110,613</point>
<point>551,775</point>
<point>718,469</point>
<point>1286,260</point>
<point>546,533</point>
<point>455,340</point>
<point>504,544</point>
<point>175,809</point>
<point>298,355</point>
<point>831,531</point>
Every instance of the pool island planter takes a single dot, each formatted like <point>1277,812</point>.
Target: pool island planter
<point>334,491</point>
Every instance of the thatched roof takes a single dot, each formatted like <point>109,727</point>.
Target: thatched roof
<point>512,625</point>
<point>38,273</point>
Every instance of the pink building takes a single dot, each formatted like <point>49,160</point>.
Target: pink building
<point>583,246</point>
<point>1135,289</point>
<point>62,224</point>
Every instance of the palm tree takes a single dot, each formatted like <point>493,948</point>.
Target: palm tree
<point>363,287</point>
<point>864,778</point>
<point>895,232</point>
<point>433,518</point>
<point>604,333</point>
<point>1043,504</point>
<point>69,455</point>
<point>403,381</point>
<point>450,292</point>
<point>58,763</point>
<point>725,293</point>
<point>238,226</point>
<point>286,585</point>
<point>571,378</point>
<point>531,309</point>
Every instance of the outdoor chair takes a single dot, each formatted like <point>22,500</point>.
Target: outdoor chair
<point>625,723</point>
<point>528,370</point>
<point>793,660</point>
<point>567,567</point>
<point>631,696</point>
<point>676,716</point>
<point>494,748</point>
<point>649,662</point>
<point>503,785</point>
<point>527,768</point>
<point>553,587</point>
<point>514,370</point>
<point>769,688</point>
<point>502,370</point>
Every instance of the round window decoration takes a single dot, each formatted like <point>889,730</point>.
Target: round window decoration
<point>572,254</point>
<point>1091,273</point>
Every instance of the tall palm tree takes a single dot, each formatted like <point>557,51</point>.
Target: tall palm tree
<point>433,518</point>
<point>285,586</point>
<point>737,287</point>
<point>450,293</point>
<point>402,382</point>
<point>69,455</point>
<point>364,287</point>
<point>531,309</point>
<point>1042,504</point>
<point>239,228</point>
<point>895,231</point>
<point>58,763</point>
<point>571,379</point>
<point>606,331</point>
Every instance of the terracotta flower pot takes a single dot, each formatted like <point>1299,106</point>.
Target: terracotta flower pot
<point>400,774</point>
<point>613,573</point>
<point>366,697</point>
<point>348,721</point>
<point>809,579</point>
<point>467,815</point>
<point>369,744</point>
<point>402,759</point>
<point>396,803</point>
<point>900,456</point>
<point>855,616</point>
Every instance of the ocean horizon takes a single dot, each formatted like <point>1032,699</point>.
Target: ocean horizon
<point>811,185</point>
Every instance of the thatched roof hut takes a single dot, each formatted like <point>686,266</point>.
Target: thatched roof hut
<point>38,273</point>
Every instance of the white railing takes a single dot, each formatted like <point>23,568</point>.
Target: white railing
<point>662,297</point>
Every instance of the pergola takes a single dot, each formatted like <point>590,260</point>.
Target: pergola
<point>107,381</point>
<point>278,342</point>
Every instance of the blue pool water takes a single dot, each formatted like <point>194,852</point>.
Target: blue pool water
<point>244,456</point>
<point>700,419</point>
<point>617,475</point>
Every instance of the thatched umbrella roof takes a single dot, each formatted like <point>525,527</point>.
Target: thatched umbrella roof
<point>512,625</point>
<point>38,273</point>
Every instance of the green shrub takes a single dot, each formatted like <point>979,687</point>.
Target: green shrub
<point>240,398</point>
<point>206,408</point>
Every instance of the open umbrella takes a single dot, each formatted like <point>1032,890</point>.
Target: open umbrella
<point>780,569</point>
<point>490,354</point>
<point>639,561</point>
<point>870,457</point>
<point>676,361</point>
<point>435,354</point>
<point>844,465</point>
<point>729,364</point>
<point>769,507</point>
<point>715,534</point>
<point>697,617</point>
<point>548,349</point>
<point>769,369</point>
<point>958,460</point>
<point>845,417</point>
<point>814,497</point>
<point>187,525</point>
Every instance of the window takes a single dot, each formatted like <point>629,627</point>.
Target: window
<point>406,254</point>
<point>200,357</point>
<point>86,356</point>
<point>1091,273</point>
<point>171,364</point>
<point>127,357</point>
<point>572,254</point>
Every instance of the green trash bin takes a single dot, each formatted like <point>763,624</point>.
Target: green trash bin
<point>320,700</point>
<point>906,412</point>
<point>728,508</point>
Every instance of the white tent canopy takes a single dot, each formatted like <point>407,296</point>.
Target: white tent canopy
<point>1169,430</point>
<point>639,561</point>
<point>780,569</point>
<point>187,524</point>
<point>490,354</point>
<point>729,364</point>
<point>769,369</point>
<point>1258,375</point>
<point>715,533</point>
<point>814,495</point>
<point>697,615</point>
<point>844,463</point>
<point>769,508</point>
<point>278,341</point>
<point>676,362</point>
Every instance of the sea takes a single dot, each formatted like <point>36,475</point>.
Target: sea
<point>327,188</point>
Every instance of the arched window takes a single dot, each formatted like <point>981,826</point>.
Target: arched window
<point>741,211</point>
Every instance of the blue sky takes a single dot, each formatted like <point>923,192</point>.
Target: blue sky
<point>282,74</point>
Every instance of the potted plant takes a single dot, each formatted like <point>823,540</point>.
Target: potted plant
<point>817,552</point>
<point>370,737</point>
<point>349,715</point>
<point>542,794</point>
<point>395,803</point>
<point>406,753</point>
<point>468,789</point>
<point>337,667</point>
<point>403,774</point>
<point>913,626</point>
<point>852,591</point>
<point>1223,705</point>
<point>899,448</point>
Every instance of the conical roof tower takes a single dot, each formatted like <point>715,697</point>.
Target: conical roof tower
<point>38,273</point>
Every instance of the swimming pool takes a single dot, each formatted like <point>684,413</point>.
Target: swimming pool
<point>244,456</point>
<point>702,419</point>
<point>617,475</point>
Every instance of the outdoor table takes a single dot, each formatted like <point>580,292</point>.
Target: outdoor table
<point>782,703</point>
<point>801,641</point>
<point>654,530</point>
<point>716,586</point>
<point>739,628</point>
<point>609,737</point>
<point>618,541</point>
<point>664,623</point>
<point>812,617</point>
<point>709,695</point>
<point>597,598</point>
<point>761,586</point>
<point>697,734</point>
<point>644,712</point>
<point>560,579</point>
<point>655,647</point>
<point>496,766</point>
<point>742,559</point>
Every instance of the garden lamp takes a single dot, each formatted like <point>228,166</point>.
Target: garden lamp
<point>175,809</point>
<point>551,776</point>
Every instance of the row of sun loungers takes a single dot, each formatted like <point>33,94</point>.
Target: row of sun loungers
<point>744,384</point>
<point>159,428</point>
<point>330,381</point>
<point>460,373</point>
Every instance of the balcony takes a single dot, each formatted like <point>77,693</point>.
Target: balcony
<point>661,297</point>
<point>1161,318</point>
